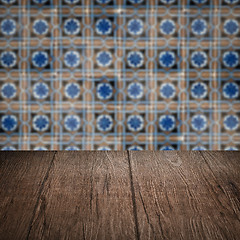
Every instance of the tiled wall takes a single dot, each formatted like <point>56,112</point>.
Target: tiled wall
<point>119,74</point>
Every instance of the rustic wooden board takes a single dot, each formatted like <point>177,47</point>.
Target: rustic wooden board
<point>120,195</point>
<point>87,196</point>
<point>22,178</point>
<point>186,195</point>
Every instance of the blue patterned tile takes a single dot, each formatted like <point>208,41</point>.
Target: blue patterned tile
<point>119,74</point>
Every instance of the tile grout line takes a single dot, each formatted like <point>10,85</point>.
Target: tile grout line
<point>133,198</point>
<point>39,194</point>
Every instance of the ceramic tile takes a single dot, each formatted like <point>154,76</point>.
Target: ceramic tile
<point>119,74</point>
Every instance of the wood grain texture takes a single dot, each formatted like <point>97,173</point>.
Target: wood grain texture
<point>120,195</point>
<point>87,196</point>
<point>187,195</point>
<point>22,178</point>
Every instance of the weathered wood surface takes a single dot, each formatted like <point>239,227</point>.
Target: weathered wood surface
<point>181,195</point>
<point>22,177</point>
<point>120,195</point>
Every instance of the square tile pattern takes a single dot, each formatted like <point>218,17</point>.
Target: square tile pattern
<point>119,74</point>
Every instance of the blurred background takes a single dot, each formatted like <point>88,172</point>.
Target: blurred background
<point>119,74</point>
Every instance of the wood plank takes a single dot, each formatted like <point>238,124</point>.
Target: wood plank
<point>87,196</point>
<point>22,178</point>
<point>186,195</point>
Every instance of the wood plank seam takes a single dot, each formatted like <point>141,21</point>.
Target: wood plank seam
<point>133,197</point>
<point>145,210</point>
<point>39,195</point>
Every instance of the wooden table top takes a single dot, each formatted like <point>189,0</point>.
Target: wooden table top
<point>120,195</point>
